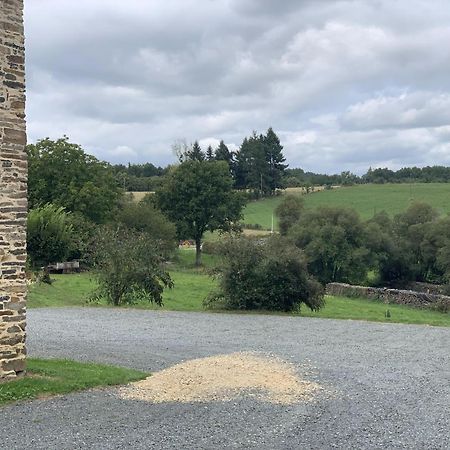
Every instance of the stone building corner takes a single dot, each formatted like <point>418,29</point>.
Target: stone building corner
<point>13,190</point>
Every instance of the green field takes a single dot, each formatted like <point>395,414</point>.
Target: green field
<point>366,199</point>
<point>192,285</point>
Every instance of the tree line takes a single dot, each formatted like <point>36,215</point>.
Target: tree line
<point>258,165</point>
<point>388,251</point>
<point>431,174</point>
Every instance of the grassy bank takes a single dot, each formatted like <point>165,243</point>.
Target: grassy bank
<point>53,377</point>
<point>375,311</point>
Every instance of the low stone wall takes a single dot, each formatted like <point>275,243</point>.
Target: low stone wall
<point>398,296</point>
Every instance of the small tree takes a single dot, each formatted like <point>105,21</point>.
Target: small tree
<point>129,267</point>
<point>289,212</point>
<point>269,275</point>
<point>49,237</point>
<point>198,196</point>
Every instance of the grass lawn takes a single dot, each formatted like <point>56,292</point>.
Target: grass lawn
<point>52,377</point>
<point>73,290</point>
<point>366,199</point>
<point>192,285</point>
<point>374,311</point>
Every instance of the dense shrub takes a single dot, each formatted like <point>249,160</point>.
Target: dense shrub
<point>211,248</point>
<point>334,243</point>
<point>265,275</point>
<point>129,267</point>
<point>49,235</point>
<point>144,217</point>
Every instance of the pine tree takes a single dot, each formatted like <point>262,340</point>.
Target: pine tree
<point>274,158</point>
<point>259,163</point>
<point>209,153</point>
<point>195,153</point>
<point>222,153</point>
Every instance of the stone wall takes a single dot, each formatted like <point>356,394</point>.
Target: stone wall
<point>13,190</point>
<point>398,296</point>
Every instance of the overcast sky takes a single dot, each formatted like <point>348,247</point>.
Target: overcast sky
<point>345,84</point>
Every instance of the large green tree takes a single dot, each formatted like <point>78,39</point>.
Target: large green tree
<point>260,163</point>
<point>198,196</point>
<point>61,173</point>
<point>273,152</point>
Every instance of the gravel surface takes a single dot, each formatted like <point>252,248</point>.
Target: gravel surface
<point>386,385</point>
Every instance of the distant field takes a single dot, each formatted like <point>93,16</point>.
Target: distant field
<point>366,199</point>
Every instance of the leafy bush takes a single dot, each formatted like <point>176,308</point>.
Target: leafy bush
<point>289,212</point>
<point>211,248</point>
<point>49,235</point>
<point>146,218</point>
<point>266,275</point>
<point>334,242</point>
<point>129,267</point>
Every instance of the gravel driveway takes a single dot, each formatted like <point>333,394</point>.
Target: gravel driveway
<point>386,385</point>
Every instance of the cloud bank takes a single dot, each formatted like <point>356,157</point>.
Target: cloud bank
<point>346,84</point>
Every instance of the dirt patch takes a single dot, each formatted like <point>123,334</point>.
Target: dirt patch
<point>224,378</point>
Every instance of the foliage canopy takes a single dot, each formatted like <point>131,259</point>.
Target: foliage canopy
<point>198,196</point>
<point>61,173</point>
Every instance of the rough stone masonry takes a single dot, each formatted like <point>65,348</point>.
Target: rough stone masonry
<point>13,190</point>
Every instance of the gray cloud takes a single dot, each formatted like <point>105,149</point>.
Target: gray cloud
<point>346,84</point>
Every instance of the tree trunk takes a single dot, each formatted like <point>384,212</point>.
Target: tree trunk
<point>198,252</point>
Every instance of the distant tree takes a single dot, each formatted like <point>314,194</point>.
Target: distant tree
<point>198,196</point>
<point>289,212</point>
<point>209,153</point>
<point>223,153</point>
<point>273,151</point>
<point>271,275</point>
<point>49,237</point>
<point>195,153</point>
<point>348,178</point>
<point>144,217</point>
<point>252,170</point>
<point>129,267</point>
<point>185,152</point>
<point>61,173</point>
<point>333,240</point>
<point>411,229</point>
<point>390,258</point>
<point>260,164</point>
